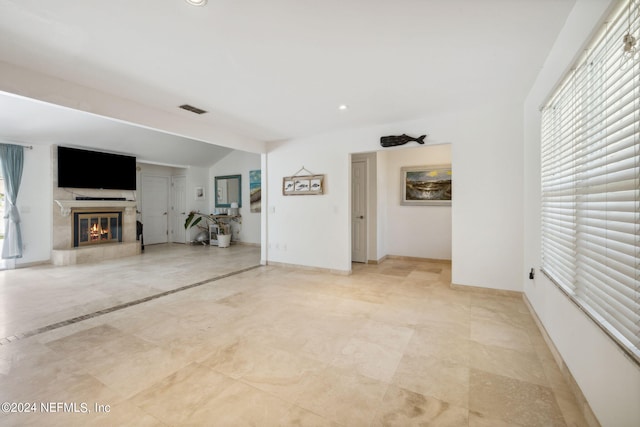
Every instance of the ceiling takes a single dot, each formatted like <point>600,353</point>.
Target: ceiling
<point>26,121</point>
<point>270,70</point>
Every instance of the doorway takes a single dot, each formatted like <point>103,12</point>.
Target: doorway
<point>178,209</point>
<point>389,228</point>
<point>155,202</point>
<point>359,210</point>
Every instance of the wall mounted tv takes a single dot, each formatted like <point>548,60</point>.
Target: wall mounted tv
<point>93,169</point>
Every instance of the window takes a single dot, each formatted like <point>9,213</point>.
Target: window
<point>591,183</point>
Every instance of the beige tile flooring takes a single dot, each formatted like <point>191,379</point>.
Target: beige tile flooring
<point>391,344</point>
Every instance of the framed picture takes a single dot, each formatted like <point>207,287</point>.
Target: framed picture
<point>255,190</point>
<point>303,185</point>
<point>199,193</point>
<point>426,185</point>
<point>287,186</point>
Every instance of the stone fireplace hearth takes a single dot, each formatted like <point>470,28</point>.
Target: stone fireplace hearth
<point>93,230</point>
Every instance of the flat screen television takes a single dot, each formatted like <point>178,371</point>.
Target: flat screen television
<point>93,169</point>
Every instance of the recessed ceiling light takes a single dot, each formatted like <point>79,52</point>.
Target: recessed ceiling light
<point>343,107</point>
<point>196,2</point>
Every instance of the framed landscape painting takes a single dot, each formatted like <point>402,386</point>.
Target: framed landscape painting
<point>426,185</point>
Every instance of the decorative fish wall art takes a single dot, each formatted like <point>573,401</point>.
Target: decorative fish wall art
<point>392,141</point>
<point>302,185</point>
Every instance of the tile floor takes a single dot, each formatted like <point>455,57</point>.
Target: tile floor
<point>390,345</point>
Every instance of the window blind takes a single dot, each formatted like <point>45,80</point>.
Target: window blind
<point>590,173</point>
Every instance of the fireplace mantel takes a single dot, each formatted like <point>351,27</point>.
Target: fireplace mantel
<point>67,205</point>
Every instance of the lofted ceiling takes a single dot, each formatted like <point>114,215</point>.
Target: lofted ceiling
<point>271,70</point>
<point>31,122</point>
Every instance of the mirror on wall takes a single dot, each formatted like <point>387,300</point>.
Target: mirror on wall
<point>228,190</point>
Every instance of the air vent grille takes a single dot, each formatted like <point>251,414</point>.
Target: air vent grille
<point>192,109</point>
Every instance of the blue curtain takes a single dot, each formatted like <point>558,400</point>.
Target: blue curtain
<point>12,160</point>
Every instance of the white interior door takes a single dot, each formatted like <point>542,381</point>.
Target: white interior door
<point>358,211</point>
<point>155,203</point>
<point>178,209</point>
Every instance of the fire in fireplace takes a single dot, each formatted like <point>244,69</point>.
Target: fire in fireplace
<point>92,228</point>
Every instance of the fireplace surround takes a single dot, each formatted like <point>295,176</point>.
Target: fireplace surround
<point>93,230</point>
<point>68,201</point>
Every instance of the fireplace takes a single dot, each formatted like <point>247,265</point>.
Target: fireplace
<point>73,241</point>
<point>94,228</point>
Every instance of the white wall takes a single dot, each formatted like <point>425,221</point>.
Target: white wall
<point>382,203</point>
<point>487,193</point>
<point>609,380</point>
<point>416,231</point>
<point>239,163</point>
<point>310,230</point>
<point>487,188</point>
<point>35,204</point>
<point>196,177</point>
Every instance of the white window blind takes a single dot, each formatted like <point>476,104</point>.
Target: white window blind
<point>591,183</point>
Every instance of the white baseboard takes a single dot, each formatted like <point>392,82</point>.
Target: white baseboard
<point>309,268</point>
<point>583,405</point>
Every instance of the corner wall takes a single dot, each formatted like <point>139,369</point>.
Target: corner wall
<point>609,381</point>
<point>239,162</point>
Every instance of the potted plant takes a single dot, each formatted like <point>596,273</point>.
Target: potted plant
<point>195,219</point>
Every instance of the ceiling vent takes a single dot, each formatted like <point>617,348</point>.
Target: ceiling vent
<point>192,109</point>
